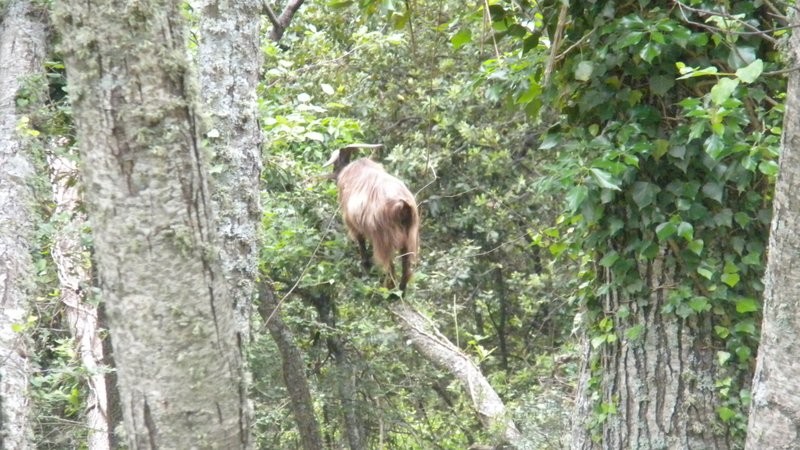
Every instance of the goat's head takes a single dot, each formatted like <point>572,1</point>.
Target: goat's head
<point>341,158</point>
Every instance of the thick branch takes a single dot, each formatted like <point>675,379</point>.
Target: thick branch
<point>442,353</point>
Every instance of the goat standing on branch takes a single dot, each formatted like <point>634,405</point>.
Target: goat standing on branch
<point>379,208</point>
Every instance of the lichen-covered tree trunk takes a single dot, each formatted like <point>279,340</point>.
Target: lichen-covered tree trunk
<point>22,50</point>
<point>169,314</point>
<point>652,387</point>
<point>73,267</point>
<point>229,58</point>
<point>775,411</point>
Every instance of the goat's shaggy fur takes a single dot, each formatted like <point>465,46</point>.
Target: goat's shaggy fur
<point>379,208</point>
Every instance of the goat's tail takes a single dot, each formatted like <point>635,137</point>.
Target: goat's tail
<point>407,216</point>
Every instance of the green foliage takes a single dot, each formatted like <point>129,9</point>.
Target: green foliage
<point>667,136</point>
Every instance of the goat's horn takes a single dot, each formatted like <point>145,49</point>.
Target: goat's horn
<point>357,146</point>
<point>334,157</point>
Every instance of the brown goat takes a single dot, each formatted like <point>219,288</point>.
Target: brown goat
<point>379,208</point>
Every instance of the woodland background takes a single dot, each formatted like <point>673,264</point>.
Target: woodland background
<point>608,233</point>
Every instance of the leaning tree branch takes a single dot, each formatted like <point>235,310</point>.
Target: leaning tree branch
<point>436,348</point>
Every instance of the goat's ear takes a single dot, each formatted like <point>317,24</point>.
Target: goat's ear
<point>334,157</point>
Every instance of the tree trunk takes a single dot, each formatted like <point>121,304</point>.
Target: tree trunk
<point>775,411</point>
<point>72,265</point>
<point>230,62</point>
<point>172,322</point>
<point>294,374</point>
<point>22,50</point>
<point>442,353</point>
<point>656,390</point>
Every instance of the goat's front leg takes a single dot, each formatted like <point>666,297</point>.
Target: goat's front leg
<point>366,262</point>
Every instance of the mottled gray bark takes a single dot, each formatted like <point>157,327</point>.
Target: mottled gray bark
<point>437,349</point>
<point>294,374</point>
<point>169,314</point>
<point>658,389</point>
<point>775,411</point>
<point>229,59</point>
<point>22,50</point>
<point>74,276</point>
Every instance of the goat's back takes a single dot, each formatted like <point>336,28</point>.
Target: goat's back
<point>379,207</point>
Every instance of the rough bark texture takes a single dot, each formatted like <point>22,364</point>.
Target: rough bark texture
<point>230,62</point>
<point>775,412</point>
<point>171,319</point>
<point>294,374</point>
<point>22,50</point>
<point>661,384</point>
<point>73,267</point>
<point>441,352</point>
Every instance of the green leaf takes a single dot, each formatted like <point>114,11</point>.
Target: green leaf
<point>713,190</point>
<point>731,279</point>
<point>644,193</point>
<point>725,413</point>
<point>769,168</point>
<point>699,304</point>
<point>634,332</point>
<point>609,259</point>
<point>705,272</point>
<point>460,39</point>
<point>686,231</point>
<point>751,72</point>
<point>339,4</point>
<point>604,179</point>
<point>752,259</point>
<point>746,305</point>
<point>576,197</point>
<point>597,341</point>
<point>722,332</point>
<point>583,72</point>
<point>743,353</point>
<point>723,90</point>
<point>666,230</point>
<point>723,357</point>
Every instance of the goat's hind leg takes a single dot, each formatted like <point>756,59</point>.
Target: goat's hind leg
<point>366,262</point>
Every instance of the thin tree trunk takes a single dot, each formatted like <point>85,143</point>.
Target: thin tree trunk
<point>344,375</point>
<point>442,353</point>
<point>229,58</point>
<point>172,321</point>
<point>22,50</point>
<point>294,374</point>
<point>655,388</point>
<point>775,411</point>
<point>73,267</point>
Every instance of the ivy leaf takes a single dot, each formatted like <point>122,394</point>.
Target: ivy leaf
<point>731,279</point>
<point>713,191</point>
<point>722,332</point>
<point>584,71</point>
<point>723,357</point>
<point>699,304</point>
<point>769,168</point>
<point>597,341</point>
<point>751,72</point>
<point>644,193</point>
<point>605,179</point>
<point>666,230</point>
<point>746,305</point>
<point>686,231</point>
<point>609,259</point>
<point>723,90</point>
<point>725,413</point>
<point>696,246</point>
<point>634,332</point>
